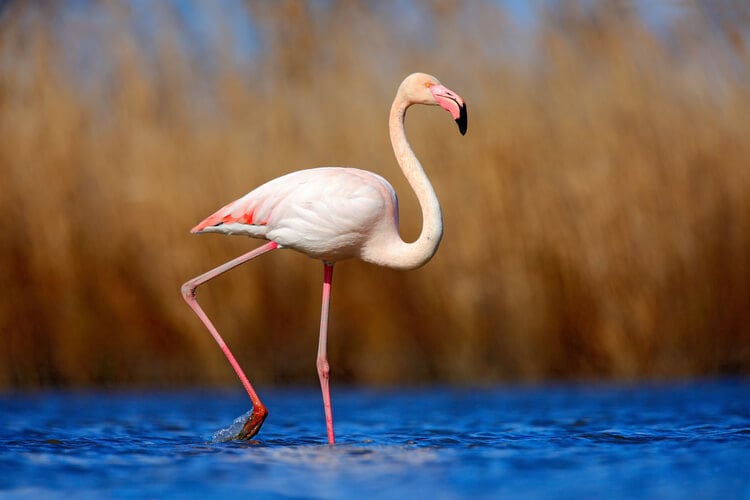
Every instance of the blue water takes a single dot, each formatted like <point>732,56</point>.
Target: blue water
<point>689,440</point>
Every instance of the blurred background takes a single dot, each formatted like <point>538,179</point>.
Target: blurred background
<point>597,212</point>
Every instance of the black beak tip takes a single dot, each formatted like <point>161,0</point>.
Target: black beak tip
<point>462,120</point>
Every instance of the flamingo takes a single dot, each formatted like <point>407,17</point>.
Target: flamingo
<point>333,214</point>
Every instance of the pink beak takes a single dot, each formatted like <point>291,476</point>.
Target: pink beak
<point>451,102</point>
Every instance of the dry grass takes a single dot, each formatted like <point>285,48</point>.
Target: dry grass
<point>597,212</point>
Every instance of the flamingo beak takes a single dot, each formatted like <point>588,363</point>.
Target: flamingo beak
<point>462,120</point>
<point>453,103</point>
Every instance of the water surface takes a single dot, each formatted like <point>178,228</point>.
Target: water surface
<point>646,441</point>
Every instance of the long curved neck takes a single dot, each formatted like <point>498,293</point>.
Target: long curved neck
<point>398,253</point>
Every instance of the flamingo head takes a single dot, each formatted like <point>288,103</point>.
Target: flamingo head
<point>421,88</point>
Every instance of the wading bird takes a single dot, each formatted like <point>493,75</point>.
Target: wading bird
<point>332,214</point>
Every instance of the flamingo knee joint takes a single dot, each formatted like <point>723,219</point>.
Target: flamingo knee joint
<point>188,291</point>
<point>324,369</point>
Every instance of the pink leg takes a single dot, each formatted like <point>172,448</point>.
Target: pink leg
<point>323,368</point>
<point>252,426</point>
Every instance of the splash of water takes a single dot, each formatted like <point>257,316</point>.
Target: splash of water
<point>231,432</point>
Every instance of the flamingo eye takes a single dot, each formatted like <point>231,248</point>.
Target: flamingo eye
<point>428,84</point>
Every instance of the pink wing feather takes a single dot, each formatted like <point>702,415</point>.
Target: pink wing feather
<point>236,211</point>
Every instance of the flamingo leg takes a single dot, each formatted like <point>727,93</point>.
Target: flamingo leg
<point>324,369</point>
<point>259,413</point>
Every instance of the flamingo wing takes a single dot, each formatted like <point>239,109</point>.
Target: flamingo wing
<point>326,212</point>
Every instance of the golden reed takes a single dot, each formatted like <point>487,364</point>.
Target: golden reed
<point>597,213</point>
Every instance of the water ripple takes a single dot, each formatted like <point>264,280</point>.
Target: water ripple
<point>569,441</point>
